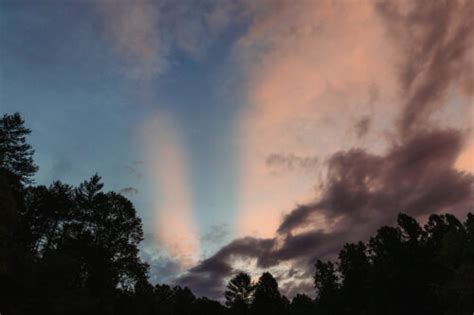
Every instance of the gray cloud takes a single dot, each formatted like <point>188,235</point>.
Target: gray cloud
<point>362,126</point>
<point>207,278</point>
<point>129,191</point>
<point>216,234</point>
<point>416,177</point>
<point>291,162</point>
<point>134,169</point>
<point>437,41</point>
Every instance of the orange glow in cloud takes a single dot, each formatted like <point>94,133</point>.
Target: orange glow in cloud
<point>315,69</point>
<point>175,226</point>
<point>320,70</point>
<point>465,162</point>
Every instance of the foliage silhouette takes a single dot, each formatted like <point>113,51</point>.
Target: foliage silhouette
<point>301,305</point>
<point>16,155</point>
<point>239,292</point>
<point>74,250</point>
<point>267,298</point>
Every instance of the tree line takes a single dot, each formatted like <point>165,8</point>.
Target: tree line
<point>74,250</point>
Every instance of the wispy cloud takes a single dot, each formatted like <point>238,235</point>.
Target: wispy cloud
<point>216,234</point>
<point>291,162</point>
<point>130,191</point>
<point>362,126</point>
<point>134,169</point>
<point>134,28</point>
<point>147,33</point>
<point>434,56</point>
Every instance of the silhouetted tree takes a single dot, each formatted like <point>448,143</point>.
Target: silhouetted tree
<point>205,306</point>
<point>354,267</point>
<point>302,305</point>
<point>238,295</point>
<point>16,155</point>
<point>285,305</point>
<point>461,287</point>
<point>16,169</point>
<point>48,209</point>
<point>327,287</point>
<point>164,299</point>
<point>401,269</point>
<point>183,300</point>
<point>267,298</point>
<point>109,220</point>
<point>452,247</point>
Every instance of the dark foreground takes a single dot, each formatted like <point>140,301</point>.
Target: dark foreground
<point>74,250</point>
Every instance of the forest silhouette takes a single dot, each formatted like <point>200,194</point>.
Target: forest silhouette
<point>75,250</point>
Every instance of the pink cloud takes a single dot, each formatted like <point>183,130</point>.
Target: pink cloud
<point>315,69</point>
<point>312,68</point>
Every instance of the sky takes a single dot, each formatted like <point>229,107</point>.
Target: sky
<point>250,135</point>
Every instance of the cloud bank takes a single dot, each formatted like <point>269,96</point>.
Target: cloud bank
<point>313,69</point>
